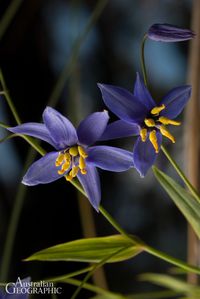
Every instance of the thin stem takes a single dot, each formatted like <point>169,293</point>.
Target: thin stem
<point>76,273</point>
<point>93,288</point>
<point>171,259</point>
<point>110,219</point>
<point>100,264</point>
<point>8,16</point>
<point>69,66</point>
<point>8,99</point>
<point>181,174</point>
<point>114,224</point>
<point>142,60</point>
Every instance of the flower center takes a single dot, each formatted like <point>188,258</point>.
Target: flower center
<point>155,123</point>
<point>73,157</point>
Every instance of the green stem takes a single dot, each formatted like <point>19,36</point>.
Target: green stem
<point>142,60</point>
<point>8,16</point>
<point>100,264</point>
<point>181,174</point>
<point>109,218</point>
<point>70,275</point>
<point>171,260</point>
<point>69,65</point>
<point>171,160</point>
<point>8,99</point>
<point>93,288</point>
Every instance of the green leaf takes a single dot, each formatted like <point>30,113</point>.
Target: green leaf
<point>186,203</point>
<point>172,283</point>
<point>91,250</point>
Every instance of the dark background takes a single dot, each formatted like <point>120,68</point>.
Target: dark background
<point>34,50</point>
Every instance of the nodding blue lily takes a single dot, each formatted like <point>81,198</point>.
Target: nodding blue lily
<point>169,33</point>
<point>141,116</point>
<point>73,156</point>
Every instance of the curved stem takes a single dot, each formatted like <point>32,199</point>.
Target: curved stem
<point>8,99</point>
<point>181,174</point>
<point>98,265</point>
<point>110,219</point>
<point>8,16</point>
<point>142,60</point>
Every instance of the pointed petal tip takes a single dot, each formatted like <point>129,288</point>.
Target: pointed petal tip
<point>25,182</point>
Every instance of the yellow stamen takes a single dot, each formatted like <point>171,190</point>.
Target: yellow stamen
<point>73,151</point>
<point>156,110</point>
<point>67,157</point>
<point>74,171</point>
<point>83,171</point>
<point>69,177</point>
<point>166,133</point>
<point>61,171</point>
<point>149,122</point>
<point>154,141</point>
<point>143,134</point>
<point>82,152</point>
<point>82,163</point>
<point>59,159</point>
<point>66,165</point>
<point>166,121</point>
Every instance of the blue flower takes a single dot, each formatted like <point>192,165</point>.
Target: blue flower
<point>169,33</point>
<point>74,155</point>
<point>16,290</point>
<point>141,116</point>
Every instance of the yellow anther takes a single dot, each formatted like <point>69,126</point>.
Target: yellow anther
<point>154,141</point>
<point>149,122</point>
<point>156,110</point>
<point>166,133</point>
<point>66,165</point>
<point>143,134</point>
<point>74,171</point>
<point>59,159</point>
<point>69,177</point>
<point>83,171</point>
<point>166,121</point>
<point>61,171</point>
<point>82,152</point>
<point>82,163</point>
<point>73,151</point>
<point>67,157</point>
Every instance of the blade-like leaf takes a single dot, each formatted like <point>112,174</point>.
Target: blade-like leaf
<point>186,203</point>
<point>171,283</point>
<point>91,250</point>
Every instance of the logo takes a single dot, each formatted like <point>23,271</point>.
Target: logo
<point>26,286</point>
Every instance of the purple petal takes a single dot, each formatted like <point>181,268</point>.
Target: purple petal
<point>119,129</point>
<point>91,185</point>
<point>19,291</point>
<point>110,158</point>
<point>175,101</point>
<point>142,93</point>
<point>92,127</point>
<point>169,33</point>
<point>35,130</point>
<point>43,171</point>
<point>60,128</point>
<point>144,154</point>
<point>122,103</point>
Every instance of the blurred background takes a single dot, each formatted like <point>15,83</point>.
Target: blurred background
<point>50,56</point>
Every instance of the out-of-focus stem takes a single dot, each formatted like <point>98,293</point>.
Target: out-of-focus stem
<point>142,60</point>
<point>192,127</point>
<point>9,15</point>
